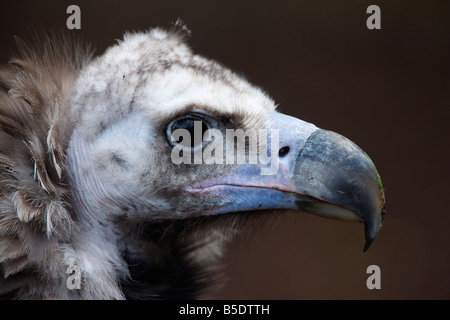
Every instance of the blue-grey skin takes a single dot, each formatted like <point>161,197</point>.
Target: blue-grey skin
<point>323,173</point>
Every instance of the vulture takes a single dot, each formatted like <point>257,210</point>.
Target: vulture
<point>100,176</point>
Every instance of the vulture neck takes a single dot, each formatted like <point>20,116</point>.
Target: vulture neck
<point>133,259</point>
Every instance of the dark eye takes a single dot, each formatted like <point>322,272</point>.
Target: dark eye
<point>188,130</point>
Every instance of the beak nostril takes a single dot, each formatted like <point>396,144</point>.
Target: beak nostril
<point>283,152</point>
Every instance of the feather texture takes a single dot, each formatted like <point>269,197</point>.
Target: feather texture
<point>34,207</point>
<point>85,171</point>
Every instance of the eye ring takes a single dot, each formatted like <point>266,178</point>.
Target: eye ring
<point>188,126</point>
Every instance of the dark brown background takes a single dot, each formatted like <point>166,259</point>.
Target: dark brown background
<point>387,90</point>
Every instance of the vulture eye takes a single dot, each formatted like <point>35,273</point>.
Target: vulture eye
<point>189,130</point>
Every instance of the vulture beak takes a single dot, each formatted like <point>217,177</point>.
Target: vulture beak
<point>316,171</point>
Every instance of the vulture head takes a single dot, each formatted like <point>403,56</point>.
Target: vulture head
<point>138,165</point>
